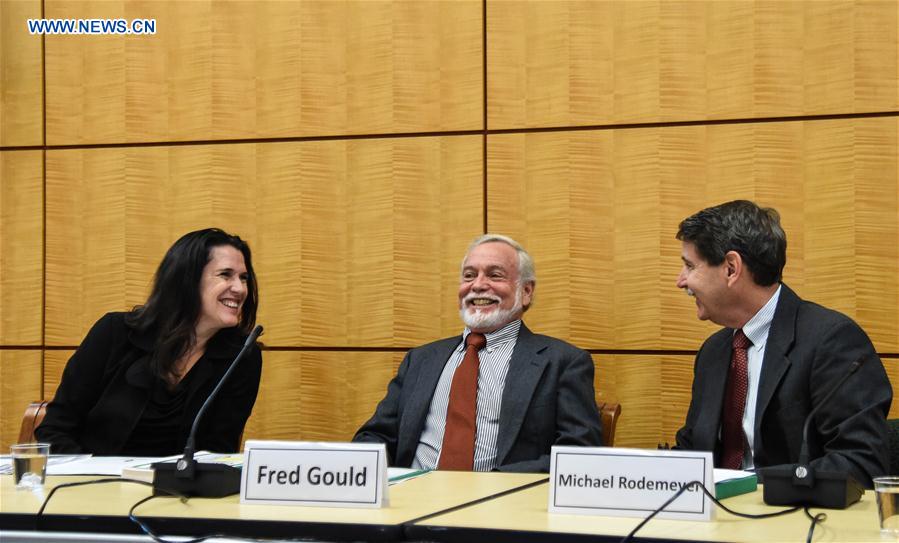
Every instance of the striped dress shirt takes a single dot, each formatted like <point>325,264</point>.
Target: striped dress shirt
<point>756,329</point>
<point>493,367</point>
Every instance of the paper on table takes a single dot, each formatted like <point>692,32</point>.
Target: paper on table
<point>85,464</point>
<point>103,465</point>
<point>114,465</point>
<point>722,475</point>
<point>143,471</point>
<point>53,462</point>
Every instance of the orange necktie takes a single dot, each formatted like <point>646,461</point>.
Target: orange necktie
<point>457,451</point>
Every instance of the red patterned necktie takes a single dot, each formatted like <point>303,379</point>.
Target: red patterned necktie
<point>457,452</point>
<point>733,439</point>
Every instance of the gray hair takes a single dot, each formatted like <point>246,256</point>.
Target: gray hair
<point>526,273</point>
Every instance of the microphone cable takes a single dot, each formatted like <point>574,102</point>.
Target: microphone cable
<point>816,519</point>
<point>820,517</point>
<point>141,524</point>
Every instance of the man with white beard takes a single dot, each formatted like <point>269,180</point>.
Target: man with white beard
<point>498,397</point>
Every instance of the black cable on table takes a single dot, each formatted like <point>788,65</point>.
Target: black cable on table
<point>143,527</point>
<point>702,487</point>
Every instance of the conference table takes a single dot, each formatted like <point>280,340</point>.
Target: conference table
<point>438,506</point>
<point>104,508</point>
<point>523,516</point>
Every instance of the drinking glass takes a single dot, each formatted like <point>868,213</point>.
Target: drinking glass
<point>29,464</point>
<point>887,491</point>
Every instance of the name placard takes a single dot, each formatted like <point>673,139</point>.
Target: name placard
<point>318,474</point>
<point>629,482</point>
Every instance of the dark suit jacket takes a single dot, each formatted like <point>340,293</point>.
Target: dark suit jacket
<point>809,349</point>
<point>548,399</point>
<point>106,386</point>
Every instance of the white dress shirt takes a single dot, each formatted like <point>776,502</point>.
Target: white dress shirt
<point>492,369</point>
<point>756,329</point>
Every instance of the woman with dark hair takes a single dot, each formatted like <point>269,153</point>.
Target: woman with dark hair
<point>138,379</point>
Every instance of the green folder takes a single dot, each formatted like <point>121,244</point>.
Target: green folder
<point>737,486</point>
<point>406,474</point>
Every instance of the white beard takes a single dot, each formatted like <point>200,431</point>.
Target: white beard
<point>475,319</point>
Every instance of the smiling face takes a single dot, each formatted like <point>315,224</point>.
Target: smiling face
<point>706,283</point>
<point>223,289</point>
<point>490,295</point>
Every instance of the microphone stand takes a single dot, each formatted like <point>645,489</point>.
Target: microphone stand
<point>206,479</point>
<point>801,484</point>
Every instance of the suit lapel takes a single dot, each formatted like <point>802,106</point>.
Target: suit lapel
<point>419,403</point>
<point>716,370</point>
<point>525,368</point>
<point>776,363</point>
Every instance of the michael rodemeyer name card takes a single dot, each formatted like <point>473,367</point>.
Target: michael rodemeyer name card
<point>629,482</point>
<point>319,474</point>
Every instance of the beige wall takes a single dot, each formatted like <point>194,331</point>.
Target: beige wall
<point>346,141</point>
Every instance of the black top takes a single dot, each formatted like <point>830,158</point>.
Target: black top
<point>103,404</point>
<point>157,430</point>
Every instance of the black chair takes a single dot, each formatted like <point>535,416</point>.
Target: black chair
<point>894,446</point>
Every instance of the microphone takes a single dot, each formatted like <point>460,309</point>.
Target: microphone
<point>192,478</point>
<point>800,483</point>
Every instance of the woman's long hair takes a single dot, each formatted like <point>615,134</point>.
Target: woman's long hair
<point>173,308</point>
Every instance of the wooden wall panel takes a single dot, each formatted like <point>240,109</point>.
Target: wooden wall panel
<point>319,395</point>
<point>227,70</point>
<point>355,242</point>
<point>21,247</point>
<point>654,393</point>
<point>569,63</point>
<point>892,367</point>
<point>54,363</point>
<point>304,395</point>
<point>327,395</point>
<point>20,384</point>
<point>851,224</point>
<point>599,211</point>
<point>21,80</point>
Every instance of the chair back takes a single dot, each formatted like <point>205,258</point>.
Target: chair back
<point>34,415</point>
<point>609,413</point>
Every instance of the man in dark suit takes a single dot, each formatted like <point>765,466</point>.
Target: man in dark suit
<point>458,404</point>
<point>757,380</point>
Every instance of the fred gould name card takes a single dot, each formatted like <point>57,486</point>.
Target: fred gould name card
<point>629,482</point>
<point>319,474</point>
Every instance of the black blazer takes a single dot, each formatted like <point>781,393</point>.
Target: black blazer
<point>809,349</point>
<point>548,399</point>
<point>105,388</point>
